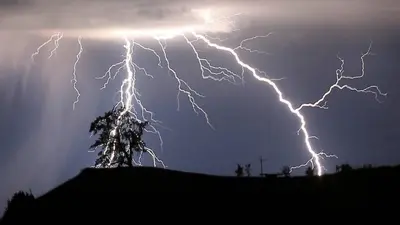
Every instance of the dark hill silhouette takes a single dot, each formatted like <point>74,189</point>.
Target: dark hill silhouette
<point>93,189</point>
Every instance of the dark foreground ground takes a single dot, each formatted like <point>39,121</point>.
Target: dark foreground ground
<point>98,193</point>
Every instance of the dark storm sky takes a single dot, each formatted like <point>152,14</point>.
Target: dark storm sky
<point>45,142</point>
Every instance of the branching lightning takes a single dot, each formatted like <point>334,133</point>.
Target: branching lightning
<point>56,43</point>
<point>130,95</point>
<point>243,47</point>
<point>373,89</point>
<point>41,46</point>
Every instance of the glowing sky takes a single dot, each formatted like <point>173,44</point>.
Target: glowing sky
<point>143,14</point>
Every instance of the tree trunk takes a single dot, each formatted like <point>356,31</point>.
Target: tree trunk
<point>130,157</point>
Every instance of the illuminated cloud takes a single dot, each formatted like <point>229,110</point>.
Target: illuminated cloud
<point>95,18</point>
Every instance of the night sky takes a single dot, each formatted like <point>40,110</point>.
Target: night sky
<point>45,142</point>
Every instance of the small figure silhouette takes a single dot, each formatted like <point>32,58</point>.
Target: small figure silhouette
<point>248,169</point>
<point>239,170</point>
<point>337,168</point>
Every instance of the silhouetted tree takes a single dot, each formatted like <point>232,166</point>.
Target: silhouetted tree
<point>345,167</point>
<point>310,171</point>
<point>286,171</point>
<point>367,166</point>
<point>248,170</point>
<point>239,170</point>
<point>19,204</point>
<point>120,135</point>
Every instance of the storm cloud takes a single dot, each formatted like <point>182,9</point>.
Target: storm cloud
<point>138,14</point>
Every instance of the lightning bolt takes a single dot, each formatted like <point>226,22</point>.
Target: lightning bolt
<point>74,78</point>
<point>315,157</point>
<point>56,43</point>
<point>57,37</point>
<point>130,95</point>
<point>243,47</point>
<point>373,89</point>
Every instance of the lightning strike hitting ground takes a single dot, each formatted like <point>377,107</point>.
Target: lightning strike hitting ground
<point>296,112</point>
<point>130,96</point>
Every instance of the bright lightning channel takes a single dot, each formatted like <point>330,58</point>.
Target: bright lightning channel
<point>129,95</point>
<point>315,157</point>
<point>74,78</point>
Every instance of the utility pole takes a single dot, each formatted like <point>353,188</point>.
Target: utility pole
<point>261,163</point>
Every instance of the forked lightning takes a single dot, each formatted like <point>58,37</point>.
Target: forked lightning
<point>130,96</point>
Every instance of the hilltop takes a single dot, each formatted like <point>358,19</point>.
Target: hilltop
<point>94,188</point>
